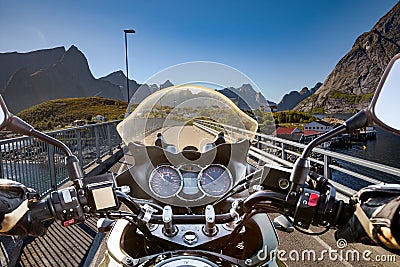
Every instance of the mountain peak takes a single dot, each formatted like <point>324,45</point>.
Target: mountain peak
<point>49,74</point>
<point>304,91</point>
<point>167,84</point>
<point>75,60</point>
<point>290,100</point>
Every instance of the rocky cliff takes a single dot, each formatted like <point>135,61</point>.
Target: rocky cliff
<point>292,99</point>
<point>246,97</point>
<point>118,78</point>
<point>43,75</point>
<point>32,62</point>
<point>352,83</point>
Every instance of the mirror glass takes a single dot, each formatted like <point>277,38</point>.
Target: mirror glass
<point>2,117</point>
<point>387,102</point>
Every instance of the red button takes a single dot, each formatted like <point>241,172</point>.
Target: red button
<point>69,222</point>
<point>313,200</point>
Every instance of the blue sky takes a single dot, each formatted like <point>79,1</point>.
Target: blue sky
<point>280,45</point>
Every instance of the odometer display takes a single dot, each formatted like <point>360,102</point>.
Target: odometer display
<point>215,180</point>
<point>165,181</point>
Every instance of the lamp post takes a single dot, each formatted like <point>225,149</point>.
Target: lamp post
<point>126,61</point>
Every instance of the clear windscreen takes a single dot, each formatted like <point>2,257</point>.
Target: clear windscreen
<point>187,115</point>
<point>170,131</point>
<point>190,103</point>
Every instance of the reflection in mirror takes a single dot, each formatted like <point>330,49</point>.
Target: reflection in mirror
<point>2,117</point>
<point>3,113</point>
<point>386,106</point>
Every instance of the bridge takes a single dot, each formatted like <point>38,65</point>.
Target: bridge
<point>99,149</point>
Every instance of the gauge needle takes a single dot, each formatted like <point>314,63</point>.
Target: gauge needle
<point>210,176</point>
<point>162,176</point>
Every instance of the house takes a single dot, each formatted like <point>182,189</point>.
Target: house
<point>295,134</point>
<point>310,135</point>
<point>289,133</point>
<point>287,130</point>
<point>319,126</point>
<point>99,118</point>
<point>77,123</point>
<point>271,107</point>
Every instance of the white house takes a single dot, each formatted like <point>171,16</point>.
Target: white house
<point>319,126</point>
<point>99,118</point>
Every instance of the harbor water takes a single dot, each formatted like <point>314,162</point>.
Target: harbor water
<point>384,150</point>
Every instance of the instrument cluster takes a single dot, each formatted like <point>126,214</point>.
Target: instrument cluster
<point>190,182</point>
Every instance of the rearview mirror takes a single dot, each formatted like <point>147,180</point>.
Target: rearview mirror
<point>384,105</point>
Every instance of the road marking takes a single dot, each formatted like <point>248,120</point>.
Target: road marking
<point>326,246</point>
<point>123,164</point>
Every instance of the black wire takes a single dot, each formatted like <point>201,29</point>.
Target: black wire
<point>142,227</point>
<point>311,233</point>
<point>126,163</point>
<point>241,182</point>
<point>306,232</point>
<point>267,208</point>
<point>235,233</point>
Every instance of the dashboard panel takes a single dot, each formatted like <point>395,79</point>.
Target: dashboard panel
<point>186,182</point>
<point>190,182</point>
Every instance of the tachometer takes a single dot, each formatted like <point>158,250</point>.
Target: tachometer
<point>215,180</point>
<point>165,181</point>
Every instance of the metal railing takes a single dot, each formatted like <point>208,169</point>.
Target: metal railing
<point>41,166</point>
<point>273,150</point>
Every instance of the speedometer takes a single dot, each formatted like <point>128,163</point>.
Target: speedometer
<point>215,180</point>
<point>165,181</point>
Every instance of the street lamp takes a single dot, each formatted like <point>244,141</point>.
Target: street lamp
<point>126,61</point>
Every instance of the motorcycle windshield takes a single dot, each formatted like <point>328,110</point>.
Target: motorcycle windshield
<point>188,115</point>
<point>170,131</point>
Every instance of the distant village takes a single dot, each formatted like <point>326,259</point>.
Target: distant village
<point>317,128</point>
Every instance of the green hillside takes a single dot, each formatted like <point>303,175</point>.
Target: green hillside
<point>60,113</point>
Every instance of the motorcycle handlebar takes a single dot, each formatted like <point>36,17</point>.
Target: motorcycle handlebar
<point>71,212</point>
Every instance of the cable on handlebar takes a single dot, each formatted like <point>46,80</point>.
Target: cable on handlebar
<point>236,189</point>
<point>310,233</point>
<point>142,227</point>
<point>235,233</point>
<point>124,198</point>
<point>261,196</point>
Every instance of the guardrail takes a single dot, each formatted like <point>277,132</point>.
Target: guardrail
<point>273,150</point>
<point>41,166</point>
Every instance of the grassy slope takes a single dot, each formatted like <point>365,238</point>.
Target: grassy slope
<point>61,112</point>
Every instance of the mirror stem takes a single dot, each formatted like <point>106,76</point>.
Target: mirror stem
<point>357,121</point>
<point>301,167</point>
<point>75,173</point>
<point>19,126</point>
<point>323,138</point>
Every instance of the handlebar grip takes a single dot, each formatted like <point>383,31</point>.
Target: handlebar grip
<point>344,214</point>
<point>31,221</point>
<point>41,212</point>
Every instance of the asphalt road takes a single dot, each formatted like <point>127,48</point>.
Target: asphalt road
<point>182,137</point>
<point>298,249</point>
